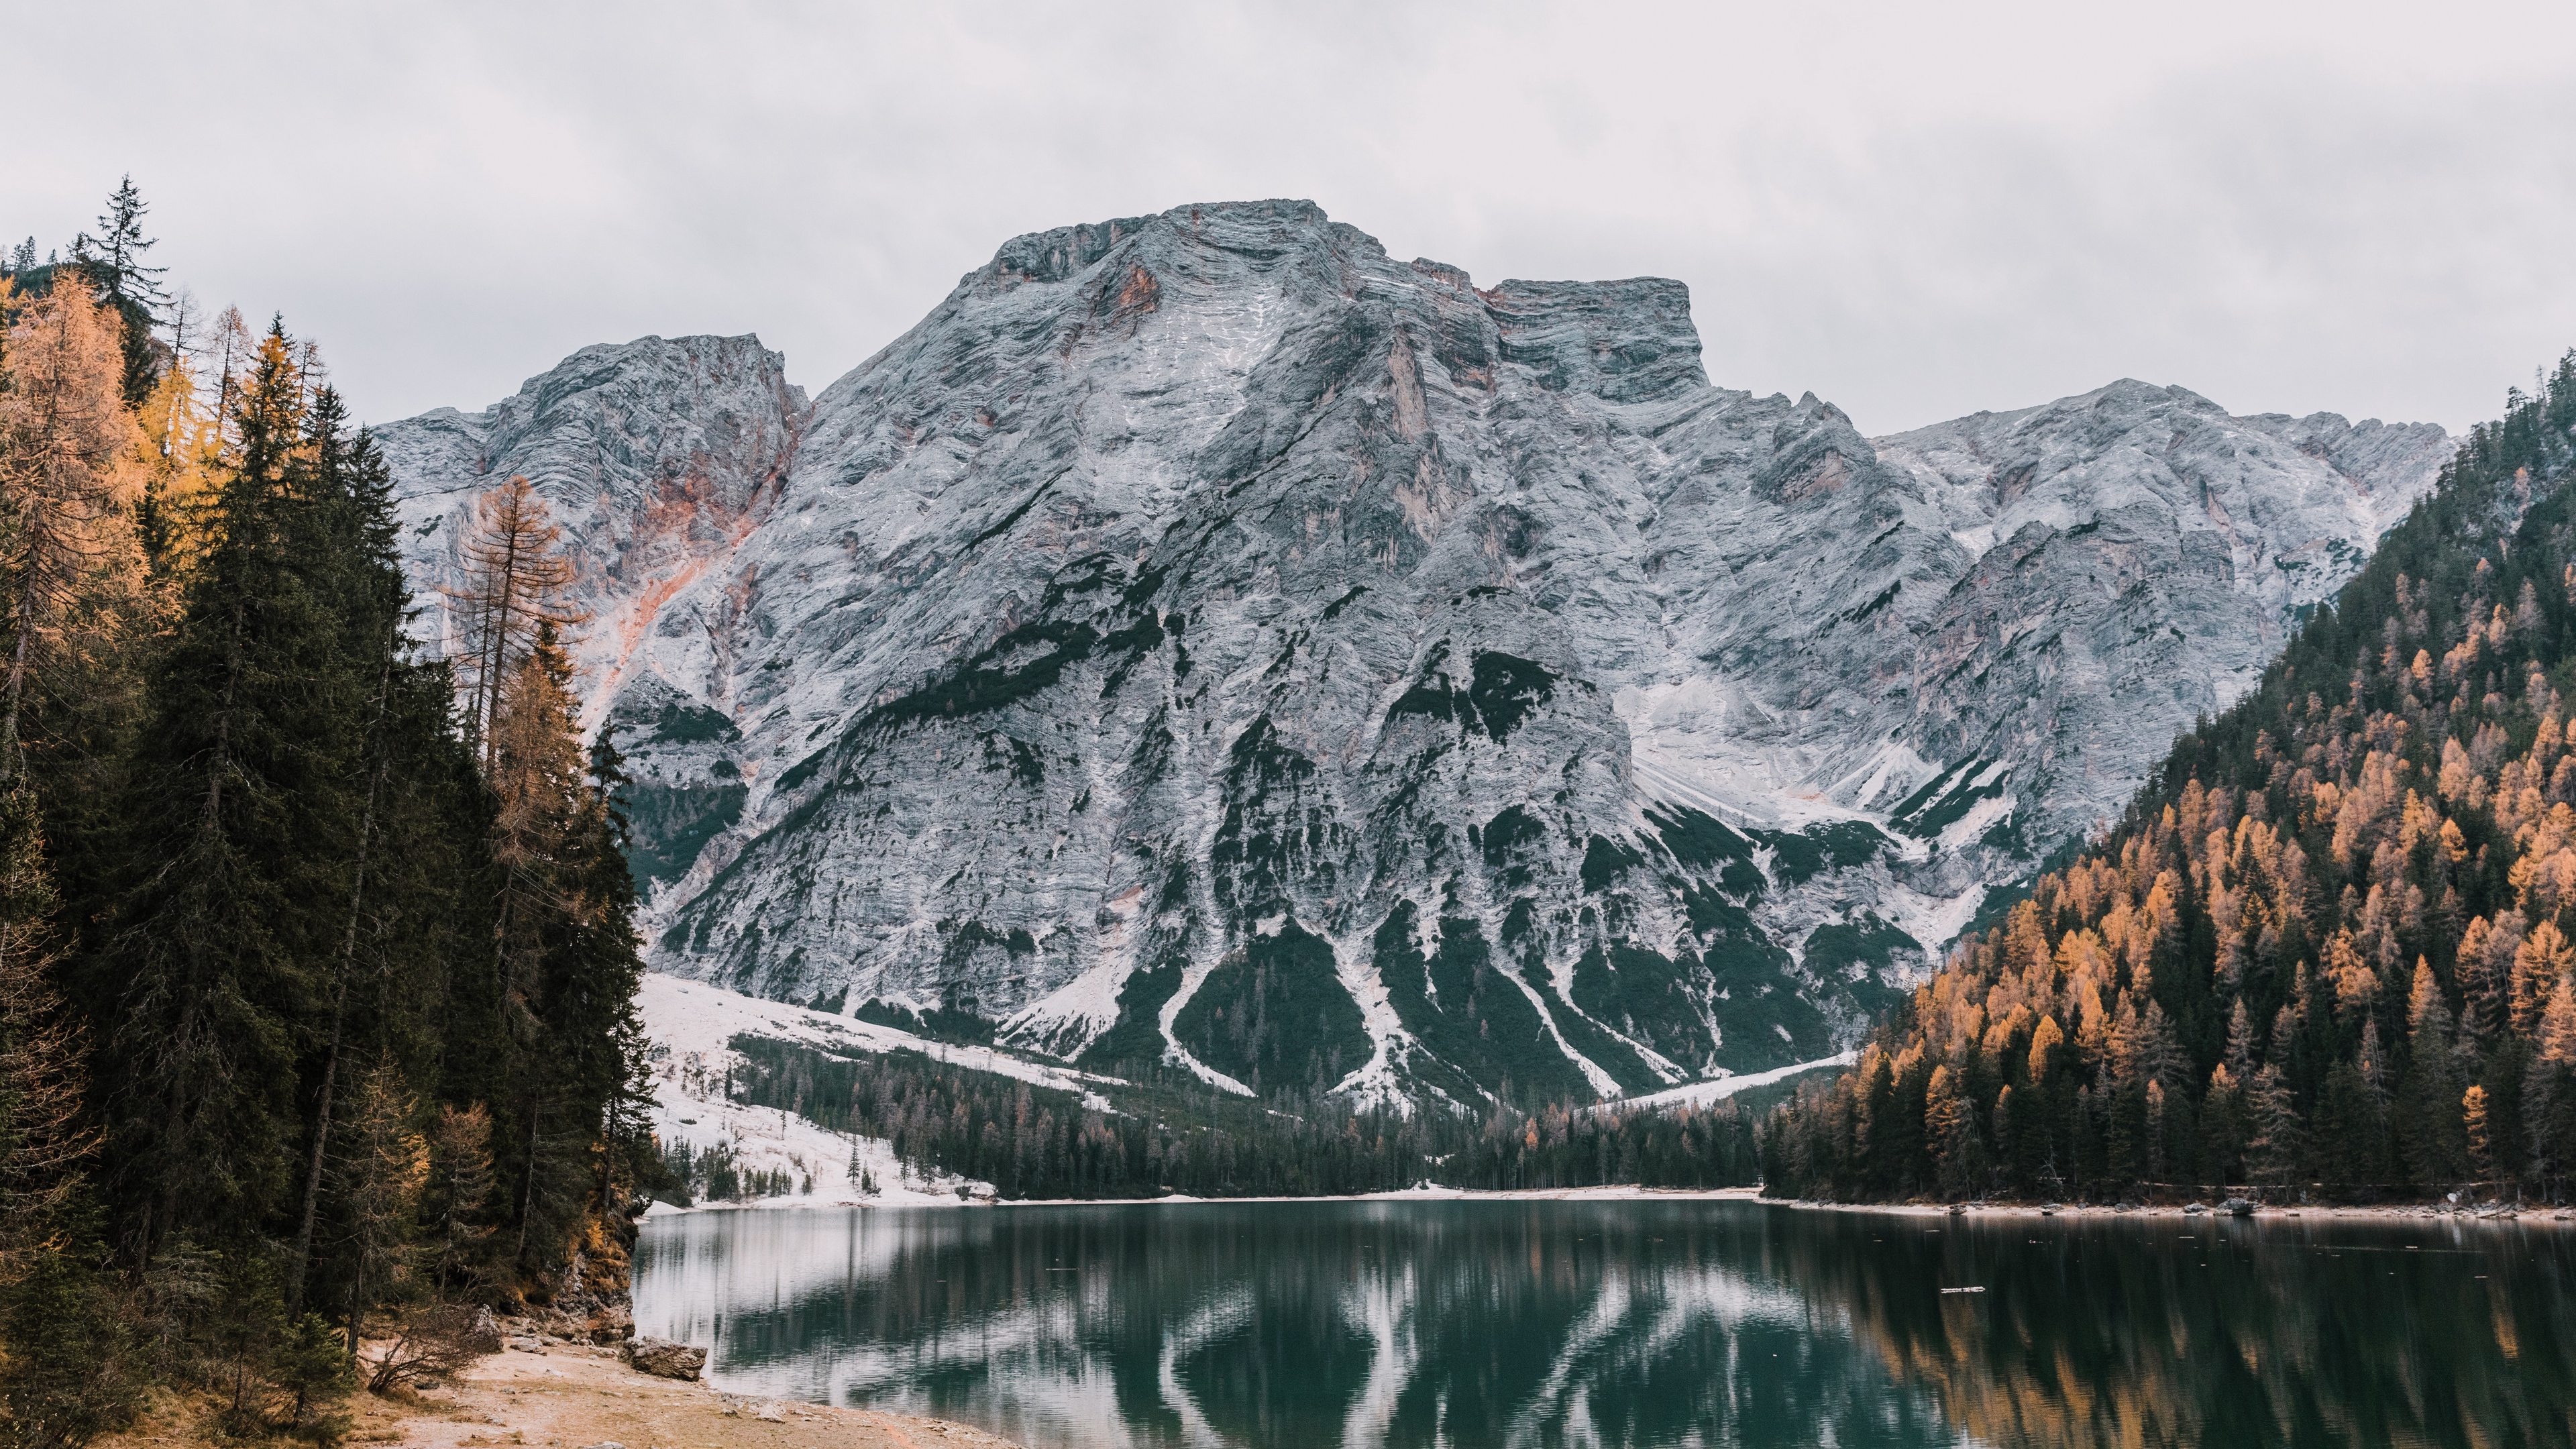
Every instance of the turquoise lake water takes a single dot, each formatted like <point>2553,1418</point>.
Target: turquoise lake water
<point>1631,1323</point>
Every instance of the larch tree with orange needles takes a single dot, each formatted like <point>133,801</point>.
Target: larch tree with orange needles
<point>512,577</point>
<point>70,565</point>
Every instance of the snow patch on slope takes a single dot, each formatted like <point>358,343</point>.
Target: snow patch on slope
<point>1701,1094</point>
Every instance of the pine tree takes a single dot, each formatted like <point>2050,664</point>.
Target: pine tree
<point>369,597</point>
<point>311,1373</point>
<point>43,1145</point>
<point>114,261</point>
<point>382,1170</point>
<point>239,828</point>
<point>2549,1086</point>
<point>1953,1134</point>
<point>565,954</point>
<point>2481,1138</point>
<point>457,1206</point>
<point>2277,1148</point>
<point>2428,1112</point>
<point>185,460</point>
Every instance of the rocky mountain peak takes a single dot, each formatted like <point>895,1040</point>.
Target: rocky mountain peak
<point>657,457</point>
<point>1205,640</point>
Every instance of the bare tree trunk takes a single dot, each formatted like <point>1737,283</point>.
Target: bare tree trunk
<point>528,1194</point>
<point>16,764</point>
<point>357,1308</point>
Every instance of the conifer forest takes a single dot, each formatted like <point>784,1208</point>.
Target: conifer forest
<point>2332,944</point>
<point>316,959</point>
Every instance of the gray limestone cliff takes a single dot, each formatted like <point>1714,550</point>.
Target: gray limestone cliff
<point>1206,640</point>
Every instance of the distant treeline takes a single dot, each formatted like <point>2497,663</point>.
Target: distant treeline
<point>716,1174</point>
<point>1040,1142</point>
<point>1568,1145</point>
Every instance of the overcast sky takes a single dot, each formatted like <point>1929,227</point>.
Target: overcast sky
<point>1913,210</point>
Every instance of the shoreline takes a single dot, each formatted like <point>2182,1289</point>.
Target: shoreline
<point>2304,1212</point>
<point>2379,1212</point>
<point>1618,1193</point>
<point>567,1394</point>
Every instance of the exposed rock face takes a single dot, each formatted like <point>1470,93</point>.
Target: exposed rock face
<point>657,458</point>
<point>664,1359</point>
<point>1206,639</point>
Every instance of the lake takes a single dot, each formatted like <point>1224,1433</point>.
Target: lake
<point>1630,1322</point>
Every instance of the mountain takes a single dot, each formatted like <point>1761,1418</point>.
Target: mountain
<point>1206,640</point>
<point>2328,944</point>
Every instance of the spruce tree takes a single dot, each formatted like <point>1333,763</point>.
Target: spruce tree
<point>239,845</point>
<point>114,261</point>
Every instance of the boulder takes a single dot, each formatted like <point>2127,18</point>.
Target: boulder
<point>610,1324</point>
<point>662,1358</point>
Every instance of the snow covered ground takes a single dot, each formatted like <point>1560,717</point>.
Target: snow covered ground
<point>695,1024</point>
<point>765,1139</point>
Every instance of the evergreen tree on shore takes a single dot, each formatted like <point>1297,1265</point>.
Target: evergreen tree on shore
<point>316,969</point>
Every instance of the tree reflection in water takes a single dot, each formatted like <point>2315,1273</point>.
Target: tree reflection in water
<point>1629,1323</point>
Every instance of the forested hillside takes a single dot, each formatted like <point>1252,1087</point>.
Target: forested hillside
<point>2333,942</point>
<point>1174,1134</point>
<point>315,972</point>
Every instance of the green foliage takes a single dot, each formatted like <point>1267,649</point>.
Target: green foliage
<point>673,823</point>
<point>948,1021</point>
<point>310,1374</point>
<point>1604,861</point>
<point>1022,663</point>
<point>1568,1145</point>
<point>1761,1022</point>
<point>359,1014</point>
<point>70,1373</point>
<point>1133,1045</point>
<point>1502,691</point>
<point>1174,1135</point>
<point>1864,954</point>
<point>1701,842</point>
<point>1273,834</point>
<point>1945,800</point>
<point>1805,854</point>
<point>1275,1014</point>
<point>1458,1004</point>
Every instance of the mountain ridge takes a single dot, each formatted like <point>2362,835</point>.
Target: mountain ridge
<point>1446,655</point>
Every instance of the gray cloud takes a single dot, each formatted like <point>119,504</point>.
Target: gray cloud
<point>1916,211</point>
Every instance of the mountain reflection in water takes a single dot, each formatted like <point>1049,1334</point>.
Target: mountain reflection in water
<point>1654,1322</point>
